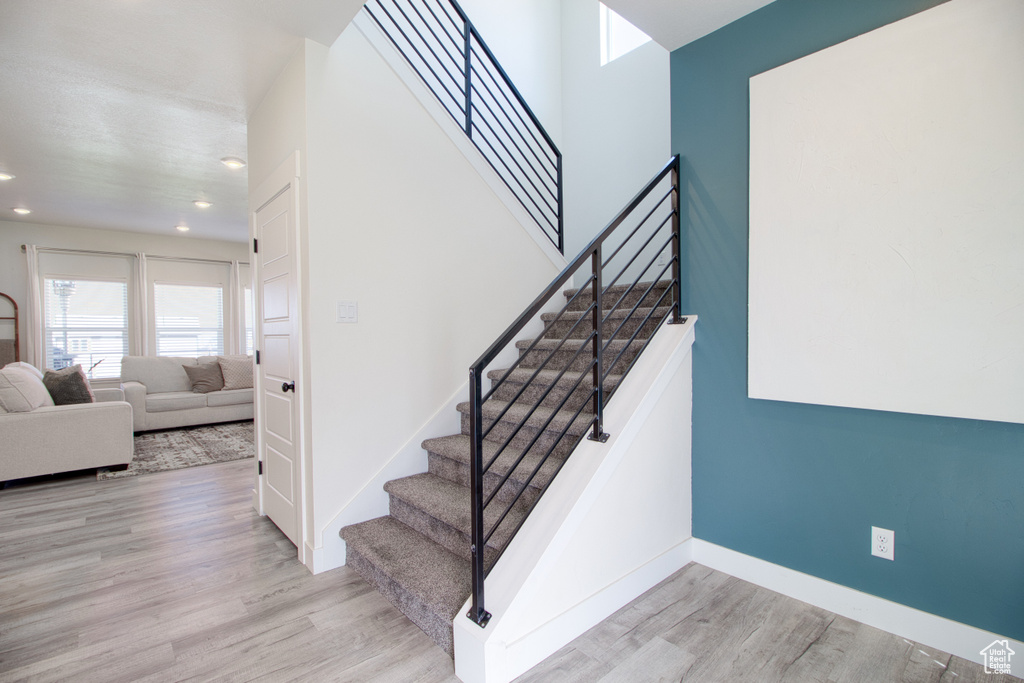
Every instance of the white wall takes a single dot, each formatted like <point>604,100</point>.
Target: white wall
<point>13,276</point>
<point>616,123</point>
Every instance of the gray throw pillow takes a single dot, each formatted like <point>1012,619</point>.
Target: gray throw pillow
<point>205,377</point>
<point>68,386</point>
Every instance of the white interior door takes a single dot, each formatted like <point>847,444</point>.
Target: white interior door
<point>279,414</point>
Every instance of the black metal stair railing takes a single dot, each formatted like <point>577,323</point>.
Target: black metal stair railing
<point>644,245</point>
<point>442,45</point>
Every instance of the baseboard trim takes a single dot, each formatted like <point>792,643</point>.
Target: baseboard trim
<point>907,622</point>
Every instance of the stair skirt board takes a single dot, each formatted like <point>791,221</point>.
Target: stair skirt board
<point>418,556</point>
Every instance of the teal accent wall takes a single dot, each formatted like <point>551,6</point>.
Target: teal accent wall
<point>801,485</point>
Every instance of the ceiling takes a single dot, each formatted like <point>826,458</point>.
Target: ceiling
<point>674,23</point>
<point>115,113</point>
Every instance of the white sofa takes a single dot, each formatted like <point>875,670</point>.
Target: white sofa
<point>48,439</point>
<point>161,395</point>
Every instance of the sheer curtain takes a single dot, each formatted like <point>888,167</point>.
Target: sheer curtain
<point>34,353</point>
<point>235,303</point>
<point>140,296</point>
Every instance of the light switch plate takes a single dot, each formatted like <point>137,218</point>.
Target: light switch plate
<point>348,312</point>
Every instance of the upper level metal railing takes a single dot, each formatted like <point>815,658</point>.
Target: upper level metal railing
<point>575,366</point>
<point>442,45</point>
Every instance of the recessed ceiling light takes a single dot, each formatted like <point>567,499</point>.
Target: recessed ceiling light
<point>6,176</point>
<point>181,228</point>
<point>202,204</point>
<point>21,211</point>
<point>233,162</point>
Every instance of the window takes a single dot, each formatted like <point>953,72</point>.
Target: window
<point>189,320</point>
<point>618,36</point>
<point>86,323</point>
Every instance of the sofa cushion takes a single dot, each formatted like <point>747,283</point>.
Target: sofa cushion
<point>22,391</point>
<point>160,375</point>
<point>237,371</point>
<point>204,377</point>
<point>229,397</point>
<point>174,400</point>
<point>68,386</point>
<point>28,367</point>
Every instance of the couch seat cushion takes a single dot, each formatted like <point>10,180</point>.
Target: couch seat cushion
<point>159,374</point>
<point>229,397</point>
<point>174,400</point>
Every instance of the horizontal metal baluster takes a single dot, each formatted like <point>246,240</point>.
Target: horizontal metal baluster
<point>547,161</point>
<point>551,226</point>
<point>498,382</point>
<point>427,44</point>
<point>456,100</point>
<point>654,234</point>
<point>440,42</point>
<point>629,341</point>
<point>511,140</point>
<point>536,125</point>
<point>636,229</point>
<point>509,404</point>
<point>636,358</point>
<point>512,157</point>
<point>535,438</point>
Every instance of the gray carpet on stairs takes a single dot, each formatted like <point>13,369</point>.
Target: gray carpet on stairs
<point>418,556</point>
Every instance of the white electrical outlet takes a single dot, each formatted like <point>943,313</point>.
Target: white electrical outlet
<point>883,543</point>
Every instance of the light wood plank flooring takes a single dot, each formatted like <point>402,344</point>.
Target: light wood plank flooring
<point>172,577</point>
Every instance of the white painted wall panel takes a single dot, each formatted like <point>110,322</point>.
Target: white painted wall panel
<point>886,213</point>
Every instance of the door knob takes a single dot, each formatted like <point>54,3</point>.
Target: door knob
<point>288,386</point>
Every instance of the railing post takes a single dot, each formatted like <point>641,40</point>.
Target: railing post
<point>597,357</point>
<point>477,613</point>
<point>677,310</point>
<point>561,222</point>
<point>469,78</point>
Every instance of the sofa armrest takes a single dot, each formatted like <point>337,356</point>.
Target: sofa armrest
<point>106,395</point>
<point>135,394</point>
<point>65,438</point>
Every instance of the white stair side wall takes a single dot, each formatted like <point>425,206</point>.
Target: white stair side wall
<point>369,28</point>
<point>614,523</point>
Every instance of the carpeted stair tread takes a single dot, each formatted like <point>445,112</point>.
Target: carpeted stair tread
<point>448,503</point>
<point>517,412</point>
<point>619,314</point>
<point>571,345</point>
<point>456,447</point>
<point>424,580</point>
<point>547,377</point>
<point>618,289</point>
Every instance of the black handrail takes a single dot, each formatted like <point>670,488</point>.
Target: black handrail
<point>597,370</point>
<point>522,153</point>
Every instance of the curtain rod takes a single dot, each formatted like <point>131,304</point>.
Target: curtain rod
<point>91,252</point>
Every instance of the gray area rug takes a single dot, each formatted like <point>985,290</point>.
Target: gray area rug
<point>175,449</point>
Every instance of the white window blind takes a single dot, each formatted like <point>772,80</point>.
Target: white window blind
<point>189,319</point>
<point>86,323</point>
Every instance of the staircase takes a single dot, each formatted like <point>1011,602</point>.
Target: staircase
<point>419,555</point>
